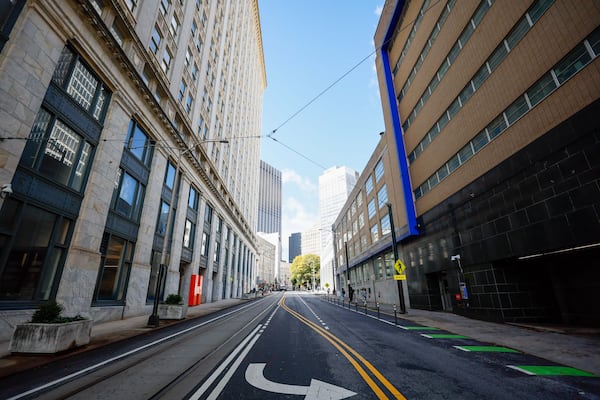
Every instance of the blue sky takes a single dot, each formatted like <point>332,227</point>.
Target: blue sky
<point>309,45</point>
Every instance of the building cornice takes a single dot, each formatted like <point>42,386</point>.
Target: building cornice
<point>258,32</point>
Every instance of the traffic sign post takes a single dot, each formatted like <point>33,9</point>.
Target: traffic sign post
<point>397,262</point>
<point>400,271</point>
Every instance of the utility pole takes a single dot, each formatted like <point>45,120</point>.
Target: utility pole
<point>395,249</point>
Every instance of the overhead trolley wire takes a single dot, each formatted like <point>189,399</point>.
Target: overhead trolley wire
<point>315,98</point>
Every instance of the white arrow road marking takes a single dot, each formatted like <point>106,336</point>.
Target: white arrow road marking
<point>317,390</point>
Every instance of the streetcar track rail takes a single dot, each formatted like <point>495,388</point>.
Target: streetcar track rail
<point>194,366</point>
<point>90,376</point>
<point>227,368</point>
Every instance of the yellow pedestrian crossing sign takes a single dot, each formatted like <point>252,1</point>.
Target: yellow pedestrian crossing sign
<point>400,269</point>
<point>399,266</point>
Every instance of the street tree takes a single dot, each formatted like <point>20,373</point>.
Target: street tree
<point>305,270</point>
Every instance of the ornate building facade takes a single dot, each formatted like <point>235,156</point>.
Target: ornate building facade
<point>118,135</point>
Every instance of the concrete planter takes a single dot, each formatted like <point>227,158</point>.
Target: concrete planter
<point>50,338</point>
<point>171,311</point>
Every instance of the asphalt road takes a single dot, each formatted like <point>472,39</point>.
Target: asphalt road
<point>308,339</point>
<point>297,346</point>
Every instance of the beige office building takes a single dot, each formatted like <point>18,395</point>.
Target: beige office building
<point>124,132</point>
<point>492,132</point>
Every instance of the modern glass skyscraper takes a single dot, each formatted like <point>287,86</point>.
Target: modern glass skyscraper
<point>311,241</point>
<point>335,184</point>
<point>295,246</point>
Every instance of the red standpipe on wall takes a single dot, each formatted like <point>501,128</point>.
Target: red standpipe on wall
<point>195,290</point>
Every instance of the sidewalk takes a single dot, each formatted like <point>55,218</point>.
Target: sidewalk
<point>569,346</point>
<point>578,349</point>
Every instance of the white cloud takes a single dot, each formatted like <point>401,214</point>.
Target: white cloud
<point>296,218</point>
<point>299,206</point>
<point>291,176</point>
<point>378,10</point>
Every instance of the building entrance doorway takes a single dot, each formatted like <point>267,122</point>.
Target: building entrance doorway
<point>439,292</point>
<point>445,294</point>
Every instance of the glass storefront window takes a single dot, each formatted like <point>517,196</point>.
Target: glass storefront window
<point>189,234</point>
<point>82,86</point>
<point>382,197</point>
<point>78,80</point>
<point>193,198</point>
<point>205,244</point>
<point>379,268</point>
<point>371,208</point>
<point>379,170</point>
<point>114,271</point>
<point>385,225</point>
<point>162,219</point>
<point>170,176</point>
<point>128,196</point>
<point>35,258</point>
<point>374,233</point>
<point>139,143</point>
<point>541,89</point>
<point>389,264</point>
<point>573,62</point>
<point>57,152</point>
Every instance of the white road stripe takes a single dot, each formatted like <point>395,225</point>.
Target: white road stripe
<point>219,388</point>
<point>461,348</point>
<point>120,356</point>
<point>253,336</point>
<point>520,370</point>
<point>223,365</point>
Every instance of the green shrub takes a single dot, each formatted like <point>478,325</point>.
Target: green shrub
<point>49,313</point>
<point>174,299</point>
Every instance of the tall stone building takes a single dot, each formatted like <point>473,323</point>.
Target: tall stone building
<point>269,210</point>
<point>119,123</point>
<point>269,199</point>
<point>492,144</point>
<point>266,258</point>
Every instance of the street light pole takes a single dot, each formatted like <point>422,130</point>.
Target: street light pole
<point>312,266</point>
<point>334,262</point>
<point>347,266</point>
<point>395,249</point>
<point>154,319</point>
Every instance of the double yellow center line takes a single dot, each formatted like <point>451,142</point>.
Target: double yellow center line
<point>351,355</point>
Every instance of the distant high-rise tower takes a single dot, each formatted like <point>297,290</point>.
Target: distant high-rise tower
<point>269,199</point>
<point>335,185</point>
<point>311,241</point>
<point>295,245</point>
<point>269,210</point>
